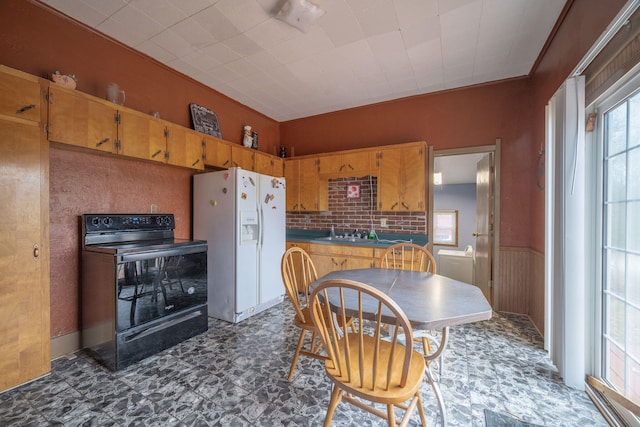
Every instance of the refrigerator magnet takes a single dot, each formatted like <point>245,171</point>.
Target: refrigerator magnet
<point>244,196</point>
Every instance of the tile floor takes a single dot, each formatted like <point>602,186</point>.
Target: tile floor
<point>236,375</point>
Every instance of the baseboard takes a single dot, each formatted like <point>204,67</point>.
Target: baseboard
<point>65,344</point>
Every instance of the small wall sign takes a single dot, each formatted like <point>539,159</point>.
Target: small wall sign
<point>353,191</point>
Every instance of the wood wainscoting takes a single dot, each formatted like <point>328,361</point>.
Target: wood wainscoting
<point>521,284</point>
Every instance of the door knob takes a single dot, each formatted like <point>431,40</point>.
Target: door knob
<point>476,234</point>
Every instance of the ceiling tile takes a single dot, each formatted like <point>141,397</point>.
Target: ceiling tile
<point>358,52</point>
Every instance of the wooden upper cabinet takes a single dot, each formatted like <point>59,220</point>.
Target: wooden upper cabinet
<point>183,150</point>
<point>313,190</point>
<point>76,119</point>
<point>141,136</point>
<point>348,163</point>
<point>268,164</point>
<point>292,178</point>
<point>20,95</point>
<point>242,157</point>
<point>402,177</point>
<point>216,152</point>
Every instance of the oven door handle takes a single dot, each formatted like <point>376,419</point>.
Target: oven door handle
<point>157,253</point>
<point>164,325</point>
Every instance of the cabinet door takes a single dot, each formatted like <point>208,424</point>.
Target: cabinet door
<point>25,335</point>
<point>267,164</point>
<point>181,150</point>
<point>402,178</point>
<point>348,164</point>
<point>217,152</point>
<point>356,163</point>
<point>308,179</point>
<point>141,136</point>
<point>414,178</point>
<point>242,157</point>
<point>78,120</point>
<point>292,178</point>
<point>20,95</point>
<point>329,164</point>
<point>357,262</point>
<point>326,263</point>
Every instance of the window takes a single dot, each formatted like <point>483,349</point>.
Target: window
<point>621,247</point>
<point>445,228</point>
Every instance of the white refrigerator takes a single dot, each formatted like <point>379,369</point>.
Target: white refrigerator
<point>241,214</point>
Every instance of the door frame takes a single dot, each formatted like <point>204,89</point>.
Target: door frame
<point>495,149</point>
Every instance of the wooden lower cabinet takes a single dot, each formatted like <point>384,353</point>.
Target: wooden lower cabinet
<point>328,258</point>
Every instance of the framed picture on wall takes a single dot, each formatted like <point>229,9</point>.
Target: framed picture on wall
<point>353,191</point>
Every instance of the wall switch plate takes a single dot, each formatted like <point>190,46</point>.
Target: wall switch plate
<point>154,208</point>
<point>383,222</point>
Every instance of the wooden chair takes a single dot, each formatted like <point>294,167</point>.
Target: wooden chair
<point>298,272</point>
<point>365,366</point>
<point>409,256</point>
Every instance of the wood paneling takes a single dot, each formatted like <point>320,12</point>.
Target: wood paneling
<point>514,280</point>
<point>536,291</point>
<point>521,284</point>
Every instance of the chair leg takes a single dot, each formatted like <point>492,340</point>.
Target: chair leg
<point>315,347</point>
<point>336,397</point>
<point>297,353</point>
<point>423,418</point>
<point>391,416</point>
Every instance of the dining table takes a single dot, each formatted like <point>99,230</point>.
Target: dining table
<point>430,302</point>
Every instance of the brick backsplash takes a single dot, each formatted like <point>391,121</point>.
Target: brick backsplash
<point>349,214</point>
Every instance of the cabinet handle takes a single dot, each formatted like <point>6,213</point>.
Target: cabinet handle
<point>350,167</point>
<point>25,108</point>
<point>195,163</point>
<point>36,252</point>
<point>104,141</point>
<point>334,262</point>
<point>154,155</point>
<point>406,206</point>
<point>394,205</point>
<point>343,263</point>
<point>226,162</point>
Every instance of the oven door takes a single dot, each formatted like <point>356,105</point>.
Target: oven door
<point>155,284</point>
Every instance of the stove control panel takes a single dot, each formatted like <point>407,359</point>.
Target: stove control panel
<point>100,223</point>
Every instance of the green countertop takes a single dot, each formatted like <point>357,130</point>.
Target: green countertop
<point>384,239</point>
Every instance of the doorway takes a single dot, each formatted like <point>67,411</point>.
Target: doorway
<point>469,190</point>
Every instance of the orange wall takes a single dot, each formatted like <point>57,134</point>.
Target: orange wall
<point>87,183</point>
<point>450,119</point>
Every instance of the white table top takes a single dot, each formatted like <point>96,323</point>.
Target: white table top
<point>430,301</point>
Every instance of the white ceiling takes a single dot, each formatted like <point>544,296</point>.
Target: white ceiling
<point>359,52</point>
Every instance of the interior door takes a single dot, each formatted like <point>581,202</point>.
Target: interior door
<point>484,225</point>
